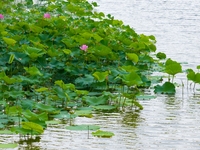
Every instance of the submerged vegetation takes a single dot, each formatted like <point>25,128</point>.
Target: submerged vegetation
<point>62,59</point>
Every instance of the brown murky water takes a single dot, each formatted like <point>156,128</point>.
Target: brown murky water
<point>167,122</point>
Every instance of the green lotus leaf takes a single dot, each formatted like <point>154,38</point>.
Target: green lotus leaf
<point>83,127</point>
<point>103,134</point>
<point>42,89</point>
<point>53,122</point>
<point>152,37</point>
<point>4,120</point>
<point>28,104</point>
<point>30,115</point>
<point>94,101</point>
<point>13,110</point>
<point>197,78</point>
<point>146,58</point>
<point>2,74</point>
<point>152,47</point>
<point>86,80</point>
<point>161,55</point>
<point>32,126</point>
<point>69,86</point>
<point>34,117</point>
<point>35,29</point>
<point>101,50</point>
<point>130,68</point>
<point>60,83</point>
<point>22,131</point>
<point>86,35</point>
<point>94,4</point>
<point>35,55</point>
<point>34,52</point>
<point>64,115</point>
<point>132,79</point>
<point>97,37</point>
<point>10,145</point>
<point>132,56</point>
<point>117,22</point>
<point>2,126</point>
<point>9,80</point>
<point>104,107</point>
<point>67,51</point>
<point>7,132</point>
<point>21,57</point>
<point>84,113</point>
<point>14,94</point>
<point>43,23</point>
<point>45,108</point>
<point>60,92</point>
<point>144,97</point>
<point>33,71</point>
<point>190,74</point>
<point>39,45</point>
<point>166,88</point>
<point>81,92</point>
<point>100,76</point>
<point>172,67</point>
<point>69,42</point>
<point>29,50</point>
<point>52,52</point>
<point>9,41</point>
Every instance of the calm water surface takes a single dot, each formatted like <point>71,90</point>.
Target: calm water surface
<point>167,122</point>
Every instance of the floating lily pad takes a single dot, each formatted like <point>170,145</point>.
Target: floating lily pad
<point>84,113</point>
<point>64,115</point>
<point>144,97</point>
<point>11,145</point>
<point>6,132</point>
<point>104,134</point>
<point>53,122</point>
<point>104,107</point>
<point>83,127</point>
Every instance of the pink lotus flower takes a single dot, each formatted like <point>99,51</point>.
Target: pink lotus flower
<point>84,47</point>
<point>1,16</point>
<point>47,15</point>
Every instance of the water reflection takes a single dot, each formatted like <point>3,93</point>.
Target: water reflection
<point>28,143</point>
<point>132,118</point>
<point>173,103</point>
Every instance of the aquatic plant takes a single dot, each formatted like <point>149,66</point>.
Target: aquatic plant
<point>69,62</point>
<point>193,76</point>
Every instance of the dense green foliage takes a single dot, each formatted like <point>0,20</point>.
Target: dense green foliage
<point>62,59</point>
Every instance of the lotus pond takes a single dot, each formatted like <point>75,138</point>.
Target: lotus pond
<point>73,77</point>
